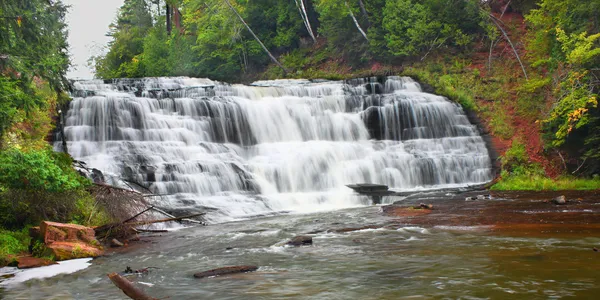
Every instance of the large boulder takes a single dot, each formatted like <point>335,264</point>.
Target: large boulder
<point>58,232</point>
<point>68,241</point>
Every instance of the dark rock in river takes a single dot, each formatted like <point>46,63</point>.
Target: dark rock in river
<point>300,241</point>
<point>560,200</point>
<point>226,271</point>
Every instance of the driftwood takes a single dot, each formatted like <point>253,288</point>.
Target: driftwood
<point>128,288</point>
<point>226,271</point>
<point>172,216</point>
<point>152,230</point>
<point>123,229</point>
<point>164,220</point>
<point>138,214</point>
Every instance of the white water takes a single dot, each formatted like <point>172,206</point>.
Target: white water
<point>285,145</point>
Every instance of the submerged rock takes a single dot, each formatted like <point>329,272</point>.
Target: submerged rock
<point>226,271</point>
<point>300,240</point>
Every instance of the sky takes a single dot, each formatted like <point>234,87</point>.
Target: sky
<point>88,22</point>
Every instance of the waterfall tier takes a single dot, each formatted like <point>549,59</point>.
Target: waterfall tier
<point>283,145</point>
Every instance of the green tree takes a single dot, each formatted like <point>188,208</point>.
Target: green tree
<point>32,47</point>
<point>416,27</point>
<point>122,60</point>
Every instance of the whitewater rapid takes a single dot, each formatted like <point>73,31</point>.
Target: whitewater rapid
<point>284,145</point>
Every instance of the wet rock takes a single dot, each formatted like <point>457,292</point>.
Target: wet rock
<point>226,271</point>
<point>300,240</point>
<point>229,248</point>
<point>595,249</point>
<point>7,276</point>
<point>424,206</point>
<point>72,250</point>
<point>28,262</point>
<point>69,241</point>
<point>58,232</point>
<point>479,197</point>
<point>560,200</point>
<point>116,243</point>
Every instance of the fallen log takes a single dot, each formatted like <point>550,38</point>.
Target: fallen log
<point>152,230</point>
<point>128,288</point>
<point>172,216</point>
<point>116,230</point>
<point>226,271</point>
<point>164,220</point>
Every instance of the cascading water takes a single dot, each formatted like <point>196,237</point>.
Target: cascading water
<point>284,145</point>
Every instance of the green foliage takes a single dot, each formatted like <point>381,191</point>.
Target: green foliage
<point>38,170</point>
<point>565,38</point>
<point>415,27</point>
<point>337,26</point>
<point>515,162</point>
<point>541,183</point>
<point>12,243</point>
<point>33,48</point>
<point>132,25</point>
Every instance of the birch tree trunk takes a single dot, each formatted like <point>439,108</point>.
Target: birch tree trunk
<point>356,22</point>
<point>285,71</point>
<point>304,16</point>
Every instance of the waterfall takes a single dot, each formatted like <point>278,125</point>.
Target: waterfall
<point>282,145</point>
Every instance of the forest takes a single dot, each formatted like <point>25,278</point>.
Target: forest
<point>530,69</point>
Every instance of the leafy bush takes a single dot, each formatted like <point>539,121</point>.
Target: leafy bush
<point>12,243</point>
<point>38,170</point>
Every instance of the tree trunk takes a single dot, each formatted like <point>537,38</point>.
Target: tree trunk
<point>128,288</point>
<point>364,12</point>
<point>356,22</point>
<point>169,13</point>
<point>304,16</point>
<point>285,71</point>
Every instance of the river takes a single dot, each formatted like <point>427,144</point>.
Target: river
<point>402,261</point>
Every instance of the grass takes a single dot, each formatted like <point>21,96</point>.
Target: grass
<point>12,243</point>
<point>541,183</point>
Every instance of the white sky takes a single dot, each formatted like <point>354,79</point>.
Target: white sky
<point>88,22</point>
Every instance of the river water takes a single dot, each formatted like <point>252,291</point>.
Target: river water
<point>408,262</point>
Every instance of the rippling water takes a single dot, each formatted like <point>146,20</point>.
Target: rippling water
<point>405,263</point>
